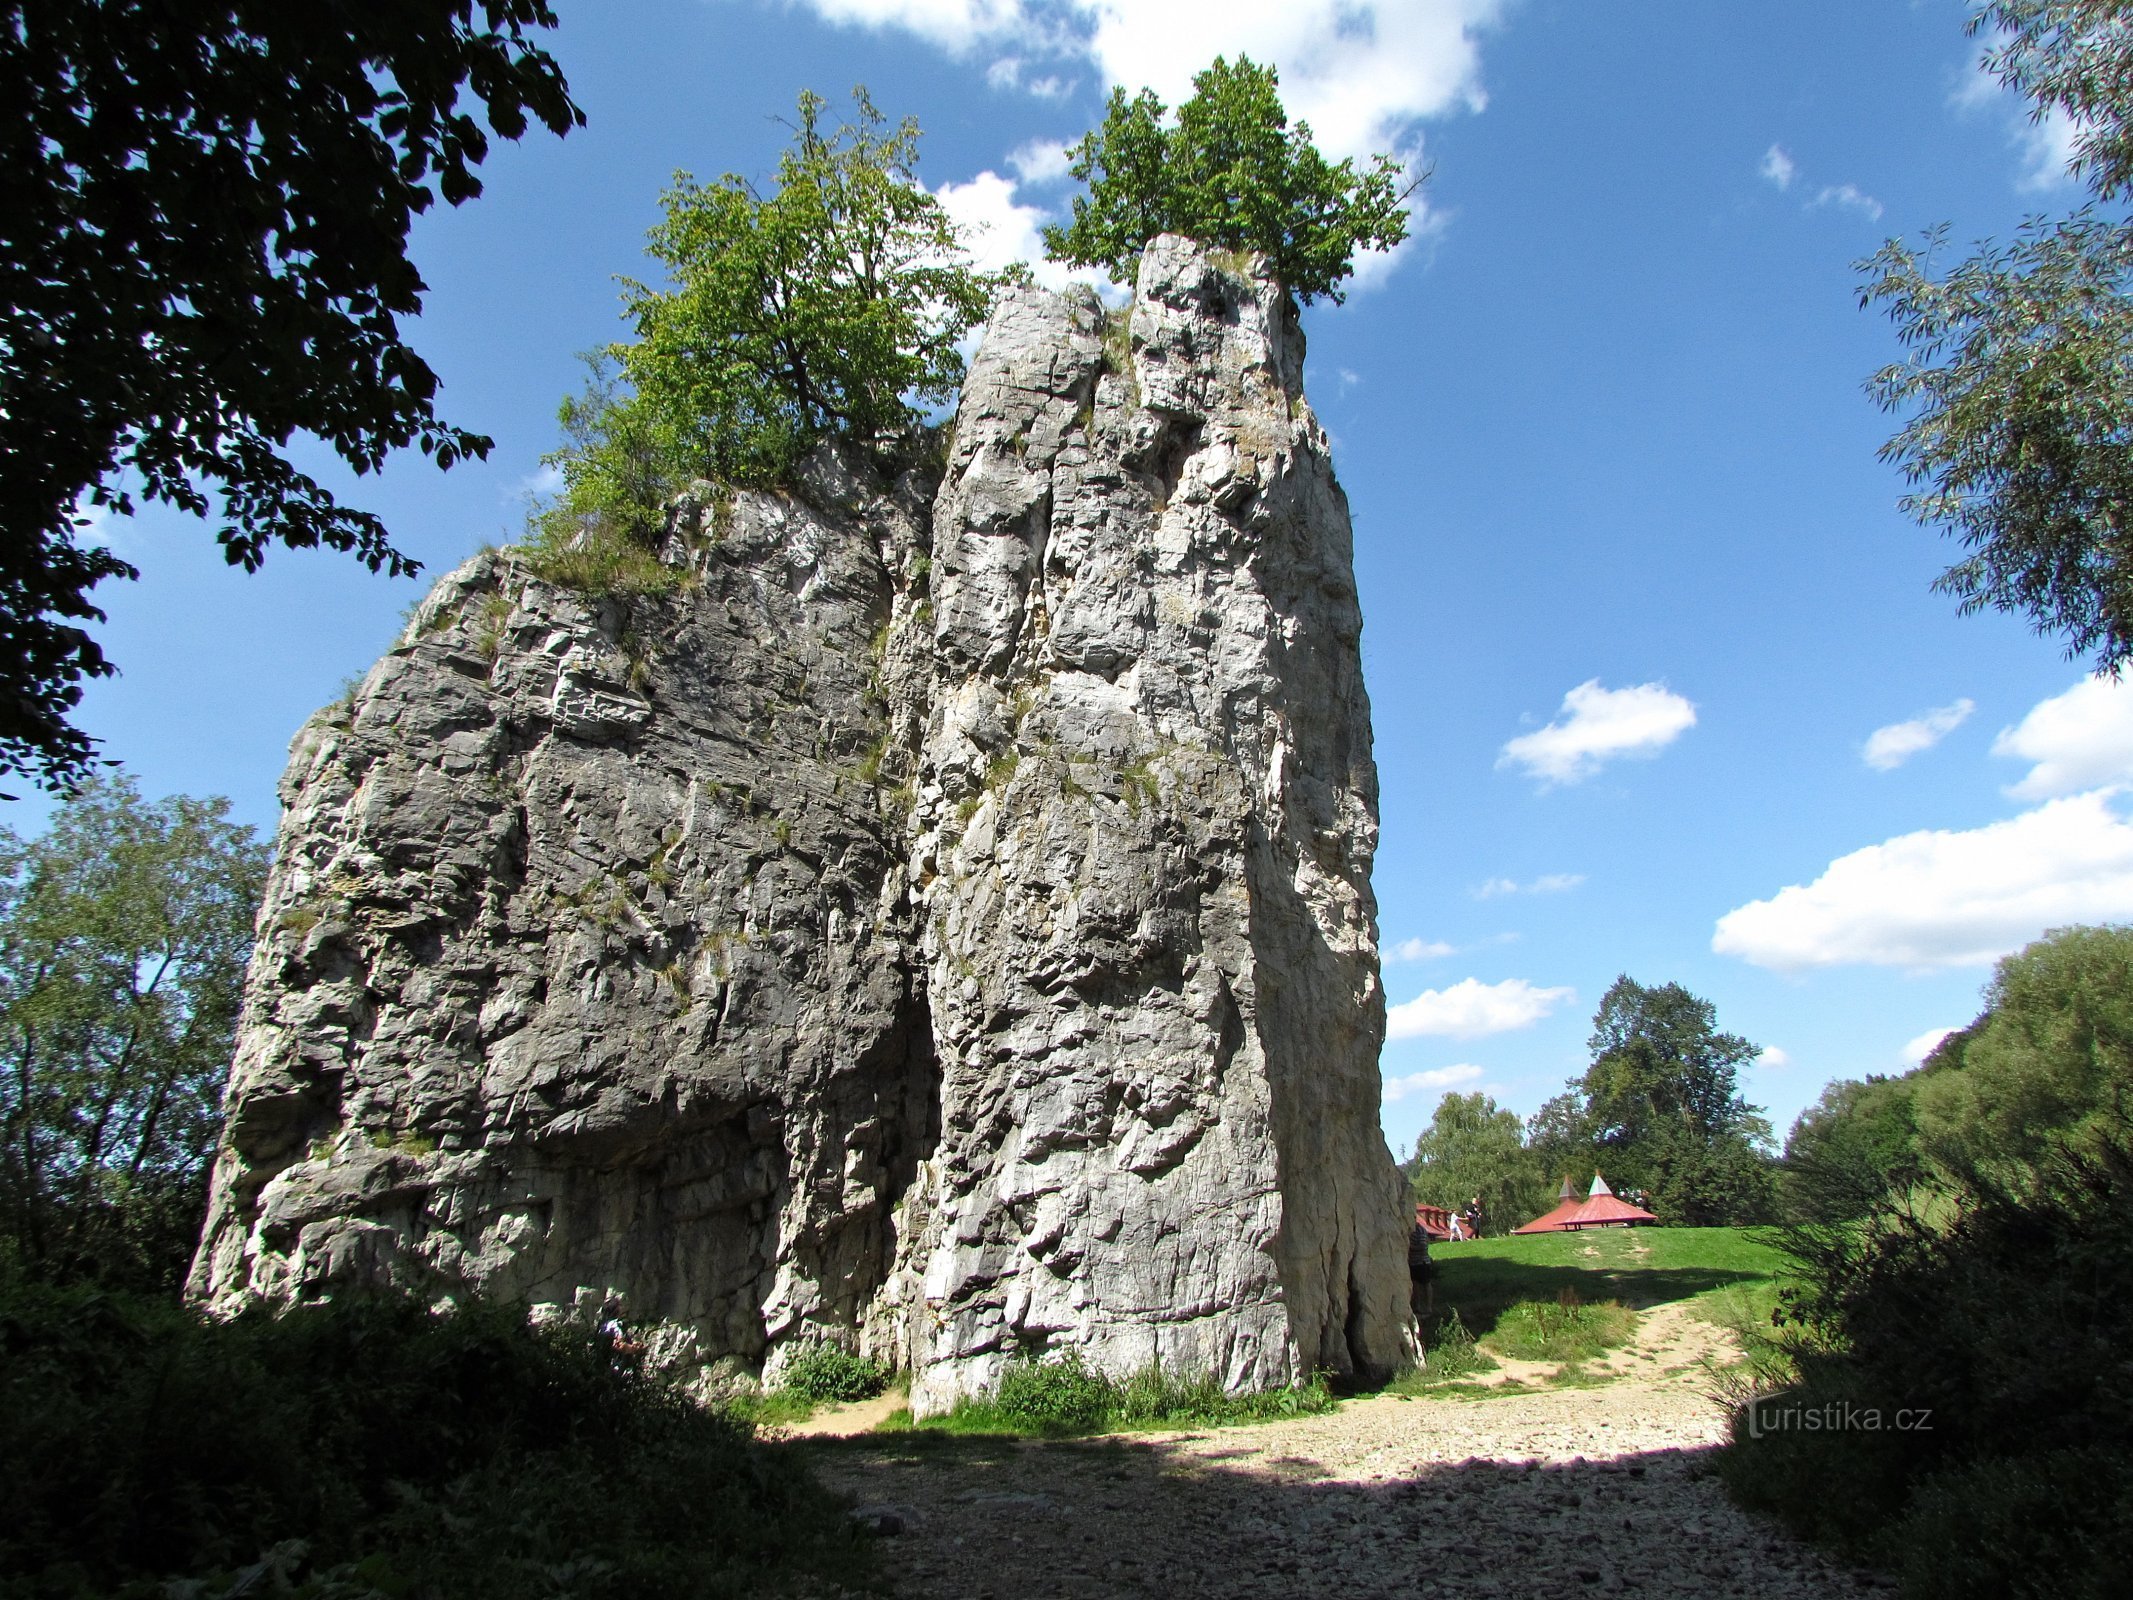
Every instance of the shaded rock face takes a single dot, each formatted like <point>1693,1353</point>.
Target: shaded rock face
<point>941,925</point>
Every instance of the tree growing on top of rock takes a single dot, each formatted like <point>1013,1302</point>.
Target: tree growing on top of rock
<point>1231,171</point>
<point>829,306</point>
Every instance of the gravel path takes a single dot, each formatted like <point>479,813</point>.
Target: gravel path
<point>1562,1491</point>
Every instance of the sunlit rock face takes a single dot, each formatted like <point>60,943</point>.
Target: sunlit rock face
<point>940,924</point>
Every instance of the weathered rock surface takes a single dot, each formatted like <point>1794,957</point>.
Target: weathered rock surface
<point>944,931</point>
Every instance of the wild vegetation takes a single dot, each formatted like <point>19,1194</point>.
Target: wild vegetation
<point>372,1448</point>
<point>1960,1235</point>
<point>1060,1397</point>
<point>124,931</point>
<point>829,305</point>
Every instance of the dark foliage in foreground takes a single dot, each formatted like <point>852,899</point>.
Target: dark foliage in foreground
<point>373,1449</point>
<point>204,218</point>
<point>2006,1326</point>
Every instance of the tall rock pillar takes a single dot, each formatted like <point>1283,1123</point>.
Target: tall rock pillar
<point>1146,814</point>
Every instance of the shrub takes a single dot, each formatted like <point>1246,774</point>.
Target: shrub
<point>372,1448</point>
<point>1996,1315</point>
<point>824,1373</point>
<point>1153,1398</point>
<point>1059,1396</point>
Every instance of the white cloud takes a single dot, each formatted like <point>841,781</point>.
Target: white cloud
<point>2082,739</point>
<point>1596,726</point>
<point>1924,1045</point>
<point>1890,747</point>
<point>1546,883</point>
<point>1362,73</point>
<point>1772,1056</point>
<point>1040,162</point>
<point>1850,197</point>
<point>1778,167</point>
<point>999,229</point>
<point>1471,1008</point>
<point>2045,145</point>
<point>1946,898</point>
<point>957,26</point>
<point>1441,1078</point>
<point>539,484</point>
<point>1419,950</point>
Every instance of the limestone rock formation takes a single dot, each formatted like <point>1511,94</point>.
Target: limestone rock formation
<point>940,922</point>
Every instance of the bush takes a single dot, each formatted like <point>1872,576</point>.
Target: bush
<point>1060,1396</point>
<point>1998,1316</point>
<point>373,1448</point>
<point>826,1374</point>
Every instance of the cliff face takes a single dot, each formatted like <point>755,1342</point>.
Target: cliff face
<point>941,923</point>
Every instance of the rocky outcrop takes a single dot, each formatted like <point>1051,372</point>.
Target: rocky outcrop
<point>939,921</point>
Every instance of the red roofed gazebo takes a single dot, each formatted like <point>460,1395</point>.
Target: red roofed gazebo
<point>1599,1209</point>
<point>1552,1221</point>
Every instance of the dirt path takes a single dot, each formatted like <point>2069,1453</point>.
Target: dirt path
<point>1564,1491</point>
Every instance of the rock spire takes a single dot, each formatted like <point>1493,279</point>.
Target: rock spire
<point>939,922</point>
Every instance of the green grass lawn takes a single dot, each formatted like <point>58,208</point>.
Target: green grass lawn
<point>1728,1274</point>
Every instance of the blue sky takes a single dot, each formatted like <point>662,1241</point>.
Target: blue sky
<point>1660,686</point>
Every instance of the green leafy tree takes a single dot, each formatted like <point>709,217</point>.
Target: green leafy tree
<point>2017,387</point>
<point>1853,1149</point>
<point>1473,1147</point>
<point>124,931</point>
<point>1663,1104</point>
<point>2051,1058</point>
<point>830,306</point>
<point>206,206</point>
<point>1560,1137</point>
<point>1230,171</point>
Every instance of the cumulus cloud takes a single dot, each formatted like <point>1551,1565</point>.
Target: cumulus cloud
<point>1419,950</point>
<point>1362,73</point>
<point>2045,146</point>
<point>1778,167</point>
<point>1848,197</point>
<point>1596,726</point>
<point>999,229</point>
<point>1439,1079</point>
<point>1946,898</point>
<point>1772,1056</point>
<point>957,26</point>
<point>1040,162</point>
<point>1546,883</point>
<point>1890,747</point>
<point>1924,1045</point>
<point>2082,739</point>
<point>1470,1009</point>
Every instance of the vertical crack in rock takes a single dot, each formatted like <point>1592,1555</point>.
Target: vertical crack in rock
<point>941,924</point>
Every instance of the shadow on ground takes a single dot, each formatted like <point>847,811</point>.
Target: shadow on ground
<point>1481,1289</point>
<point>990,1519</point>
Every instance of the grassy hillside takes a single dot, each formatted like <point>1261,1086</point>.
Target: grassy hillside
<point>1728,1272</point>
